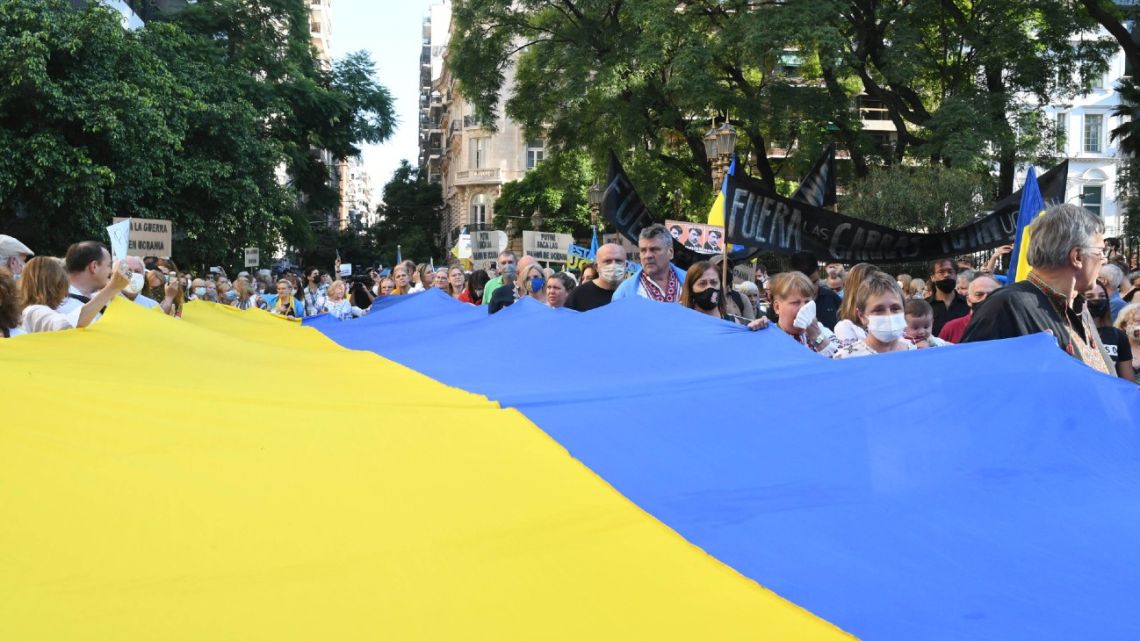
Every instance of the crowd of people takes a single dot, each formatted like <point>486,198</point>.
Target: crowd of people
<point>1089,305</point>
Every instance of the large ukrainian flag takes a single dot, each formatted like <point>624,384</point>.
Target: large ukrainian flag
<point>231,476</point>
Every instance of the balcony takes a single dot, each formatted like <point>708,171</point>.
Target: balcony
<point>874,115</point>
<point>478,176</point>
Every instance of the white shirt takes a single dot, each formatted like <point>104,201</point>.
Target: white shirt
<point>41,318</point>
<point>848,332</point>
<point>71,307</point>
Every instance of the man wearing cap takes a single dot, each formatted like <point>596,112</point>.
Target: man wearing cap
<point>88,265</point>
<point>13,255</point>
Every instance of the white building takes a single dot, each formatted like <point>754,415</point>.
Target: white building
<point>436,34</point>
<point>358,198</point>
<point>1085,122</point>
<point>469,160</point>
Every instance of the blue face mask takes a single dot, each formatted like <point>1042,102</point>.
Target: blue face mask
<point>536,283</point>
<point>231,295</point>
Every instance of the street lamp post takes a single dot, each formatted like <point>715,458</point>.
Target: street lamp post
<point>720,143</point>
<point>595,196</point>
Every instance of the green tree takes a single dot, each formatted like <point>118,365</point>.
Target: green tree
<point>959,80</point>
<point>955,75</point>
<point>918,198</point>
<point>643,77</point>
<point>410,217</point>
<point>557,189</point>
<point>189,119</point>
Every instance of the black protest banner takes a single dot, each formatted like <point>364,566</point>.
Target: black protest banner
<point>757,217</point>
<point>818,186</point>
<point>624,209</point>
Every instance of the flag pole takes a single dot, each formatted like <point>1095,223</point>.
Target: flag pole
<point>724,247</point>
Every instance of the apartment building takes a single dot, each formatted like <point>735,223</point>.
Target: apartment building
<point>470,159</point>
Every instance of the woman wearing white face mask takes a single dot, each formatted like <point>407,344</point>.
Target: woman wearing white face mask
<point>879,307</point>
<point>1128,320</point>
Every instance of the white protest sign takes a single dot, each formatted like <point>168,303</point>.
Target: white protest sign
<point>485,247</point>
<point>149,236</point>
<point>120,234</point>
<point>464,246</point>
<point>346,269</point>
<point>252,257</point>
<point>547,247</point>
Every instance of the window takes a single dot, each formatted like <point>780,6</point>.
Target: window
<point>478,211</point>
<point>1091,198</point>
<point>1094,128</point>
<point>478,157</point>
<point>535,152</point>
<point>1062,130</point>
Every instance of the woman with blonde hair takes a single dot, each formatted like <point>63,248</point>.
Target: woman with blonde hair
<point>425,276</point>
<point>848,330</point>
<point>793,300</point>
<point>43,286</point>
<point>456,279</point>
<point>401,276</point>
<point>1128,321</point>
<point>532,282</point>
<point>881,309</point>
<point>338,306</point>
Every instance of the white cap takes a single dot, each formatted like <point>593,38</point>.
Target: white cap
<point>11,247</point>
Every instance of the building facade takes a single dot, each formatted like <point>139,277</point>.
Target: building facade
<point>470,160</point>
<point>1083,125</point>
<point>358,200</point>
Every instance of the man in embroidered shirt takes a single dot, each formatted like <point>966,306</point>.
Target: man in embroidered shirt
<point>88,270</point>
<point>1066,252</point>
<point>658,279</point>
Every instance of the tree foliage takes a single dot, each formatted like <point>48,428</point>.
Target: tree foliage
<point>918,198</point>
<point>410,217</point>
<point>959,80</point>
<point>557,189</point>
<point>191,118</point>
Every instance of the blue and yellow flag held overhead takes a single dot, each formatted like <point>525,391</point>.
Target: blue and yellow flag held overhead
<point>1032,206</point>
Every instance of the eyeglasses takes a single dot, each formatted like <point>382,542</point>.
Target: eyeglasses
<point>1101,252</point>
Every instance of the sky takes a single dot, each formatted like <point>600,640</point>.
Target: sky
<point>389,30</point>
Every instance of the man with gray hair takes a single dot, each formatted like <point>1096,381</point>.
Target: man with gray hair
<point>13,255</point>
<point>506,257</point>
<point>1111,277</point>
<point>1066,252</point>
<point>658,278</point>
<point>133,291</point>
